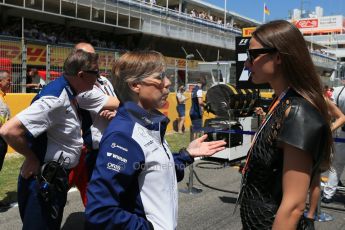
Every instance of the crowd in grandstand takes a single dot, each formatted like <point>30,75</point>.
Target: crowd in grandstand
<point>58,35</point>
<point>204,15</point>
<point>194,13</point>
<point>322,52</point>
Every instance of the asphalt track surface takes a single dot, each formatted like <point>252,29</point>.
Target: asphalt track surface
<point>210,209</point>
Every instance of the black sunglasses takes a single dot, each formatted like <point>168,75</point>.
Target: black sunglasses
<point>93,56</point>
<point>95,72</point>
<point>252,54</point>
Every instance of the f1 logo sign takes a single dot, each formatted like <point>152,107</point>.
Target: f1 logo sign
<point>243,74</point>
<point>243,42</point>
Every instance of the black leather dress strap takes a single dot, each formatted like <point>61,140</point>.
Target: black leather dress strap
<point>304,128</point>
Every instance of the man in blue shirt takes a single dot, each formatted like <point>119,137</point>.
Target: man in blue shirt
<point>48,134</point>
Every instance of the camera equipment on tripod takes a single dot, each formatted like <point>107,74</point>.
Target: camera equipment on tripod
<point>224,99</point>
<point>217,125</point>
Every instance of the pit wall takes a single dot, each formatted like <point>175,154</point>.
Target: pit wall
<point>19,101</point>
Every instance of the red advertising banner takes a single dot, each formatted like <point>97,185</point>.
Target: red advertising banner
<point>36,55</point>
<point>307,23</point>
<point>321,25</point>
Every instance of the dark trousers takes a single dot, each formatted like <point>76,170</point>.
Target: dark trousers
<point>90,161</point>
<point>35,213</point>
<point>3,151</point>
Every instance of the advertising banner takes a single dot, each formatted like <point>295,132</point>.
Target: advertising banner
<point>36,55</point>
<point>181,63</point>
<point>322,25</point>
<point>247,32</point>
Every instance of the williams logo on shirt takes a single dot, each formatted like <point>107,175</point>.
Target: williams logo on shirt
<point>117,157</point>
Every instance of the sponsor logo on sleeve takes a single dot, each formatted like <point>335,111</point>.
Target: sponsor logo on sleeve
<point>148,143</point>
<point>117,157</point>
<point>114,145</point>
<point>115,167</point>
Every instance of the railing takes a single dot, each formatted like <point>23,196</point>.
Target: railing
<point>331,39</point>
<point>323,60</point>
<point>178,15</point>
<point>140,16</point>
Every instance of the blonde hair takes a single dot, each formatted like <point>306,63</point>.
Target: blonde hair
<point>133,67</point>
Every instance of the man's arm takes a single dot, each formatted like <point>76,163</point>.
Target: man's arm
<point>36,119</point>
<point>95,100</point>
<point>13,133</point>
<point>111,104</point>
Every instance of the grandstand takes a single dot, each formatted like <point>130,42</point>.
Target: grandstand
<point>40,33</point>
<point>132,20</point>
<point>326,38</point>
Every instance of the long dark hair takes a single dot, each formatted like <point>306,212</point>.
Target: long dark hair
<point>298,68</point>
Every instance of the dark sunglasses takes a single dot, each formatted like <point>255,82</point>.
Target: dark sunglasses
<point>252,54</point>
<point>93,56</point>
<point>95,72</point>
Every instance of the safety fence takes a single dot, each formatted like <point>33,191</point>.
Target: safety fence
<point>13,59</point>
<point>19,57</point>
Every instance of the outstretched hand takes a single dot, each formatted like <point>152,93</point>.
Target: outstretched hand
<point>200,148</point>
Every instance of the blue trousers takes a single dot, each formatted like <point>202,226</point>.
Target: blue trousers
<point>36,214</point>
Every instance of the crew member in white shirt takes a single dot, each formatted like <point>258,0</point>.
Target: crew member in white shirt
<point>48,134</point>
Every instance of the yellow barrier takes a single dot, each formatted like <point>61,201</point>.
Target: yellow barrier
<point>170,111</point>
<point>19,101</point>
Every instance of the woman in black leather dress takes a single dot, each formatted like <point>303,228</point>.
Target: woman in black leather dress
<point>294,140</point>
